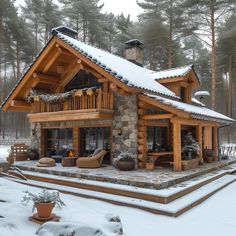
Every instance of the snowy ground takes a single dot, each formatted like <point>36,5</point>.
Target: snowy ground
<point>215,217</point>
<point>4,152</point>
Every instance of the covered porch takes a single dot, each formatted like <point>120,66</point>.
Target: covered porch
<point>169,136</point>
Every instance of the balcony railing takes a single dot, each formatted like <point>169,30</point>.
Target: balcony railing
<point>80,100</point>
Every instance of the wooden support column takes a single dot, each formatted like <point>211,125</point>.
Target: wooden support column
<point>177,146</point>
<point>215,140</point>
<point>199,140</point>
<point>76,141</point>
<point>142,137</point>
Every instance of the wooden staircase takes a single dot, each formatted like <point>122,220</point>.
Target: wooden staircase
<point>173,201</point>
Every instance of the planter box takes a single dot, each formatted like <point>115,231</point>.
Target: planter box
<point>190,164</point>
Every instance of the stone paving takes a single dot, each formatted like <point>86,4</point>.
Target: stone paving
<point>157,179</point>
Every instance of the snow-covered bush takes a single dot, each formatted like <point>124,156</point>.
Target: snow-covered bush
<point>68,229</point>
<point>45,196</point>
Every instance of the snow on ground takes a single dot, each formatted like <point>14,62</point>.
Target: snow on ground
<point>4,152</point>
<point>215,216</point>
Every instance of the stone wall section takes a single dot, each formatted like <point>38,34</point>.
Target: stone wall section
<point>35,136</point>
<point>126,121</point>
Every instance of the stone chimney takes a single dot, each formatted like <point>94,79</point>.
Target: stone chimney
<point>66,31</point>
<point>134,51</point>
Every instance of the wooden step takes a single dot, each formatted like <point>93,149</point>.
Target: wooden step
<point>173,209</point>
<point>164,196</point>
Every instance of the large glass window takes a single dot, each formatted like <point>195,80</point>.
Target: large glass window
<point>93,138</point>
<point>157,138</point>
<point>83,80</point>
<point>59,141</point>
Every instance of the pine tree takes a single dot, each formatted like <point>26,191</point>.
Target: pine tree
<point>227,61</point>
<point>171,14</point>
<point>83,16</point>
<point>50,18</point>
<point>123,26</point>
<point>32,12</point>
<point>205,15</point>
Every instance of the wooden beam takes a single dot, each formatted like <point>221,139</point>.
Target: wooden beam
<point>94,72</point>
<point>171,80</point>
<point>73,69</point>
<point>60,69</point>
<point>215,140</point>
<point>88,114</point>
<point>46,79</point>
<point>177,146</point>
<point>193,122</point>
<point>103,80</point>
<point>199,140</point>
<point>20,106</point>
<point>164,107</point>
<point>51,60</point>
<point>157,116</point>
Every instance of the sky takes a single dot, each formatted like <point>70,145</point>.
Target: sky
<point>116,7</point>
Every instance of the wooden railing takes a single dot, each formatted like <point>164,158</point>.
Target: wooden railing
<point>81,100</point>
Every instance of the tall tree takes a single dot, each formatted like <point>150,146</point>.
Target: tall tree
<point>227,61</point>
<point>171,14</point>
<point>82,15</point>
<point>205,15</point>
<point>123,28</point>
<point>50,18</point>
<point>32,12</point>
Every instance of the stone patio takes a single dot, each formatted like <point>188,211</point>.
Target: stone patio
<point>157,179</point>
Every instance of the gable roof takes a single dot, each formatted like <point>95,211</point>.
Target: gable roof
<point>127,72</point>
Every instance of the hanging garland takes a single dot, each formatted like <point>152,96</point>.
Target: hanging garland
<point>58,97</point>
<point>50,98</point>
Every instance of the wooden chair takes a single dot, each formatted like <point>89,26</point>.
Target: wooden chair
<point>95,161</point>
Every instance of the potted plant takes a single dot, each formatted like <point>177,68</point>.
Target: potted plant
<point>190,147</point>
<point>125,161</point>
<point>150,165</point>
<point>209,155</point>
<point>44,202</point>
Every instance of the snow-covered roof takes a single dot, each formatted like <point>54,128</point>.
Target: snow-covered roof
<point>171,73</point>
<point>197,112</point>
<point>194,100</point>
<point>124,70</point>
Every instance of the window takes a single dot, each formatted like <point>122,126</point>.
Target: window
<point>83,80</point>
<point>157,138</point>
<point>59,141</point>
<point>93,138</point>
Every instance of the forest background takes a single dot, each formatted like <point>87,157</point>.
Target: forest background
<point>174,33</point>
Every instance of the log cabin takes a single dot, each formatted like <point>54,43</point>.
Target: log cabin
<point>80,97</point>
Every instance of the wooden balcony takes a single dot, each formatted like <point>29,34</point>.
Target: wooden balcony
<point>82,105</point>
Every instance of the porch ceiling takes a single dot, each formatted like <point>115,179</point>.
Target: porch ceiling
<point>75,115</point>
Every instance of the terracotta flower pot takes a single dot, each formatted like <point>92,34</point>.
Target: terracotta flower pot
<point>45,209</point>
<point>150,166</point>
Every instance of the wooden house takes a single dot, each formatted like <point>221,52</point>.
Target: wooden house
<point>80,97</point>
